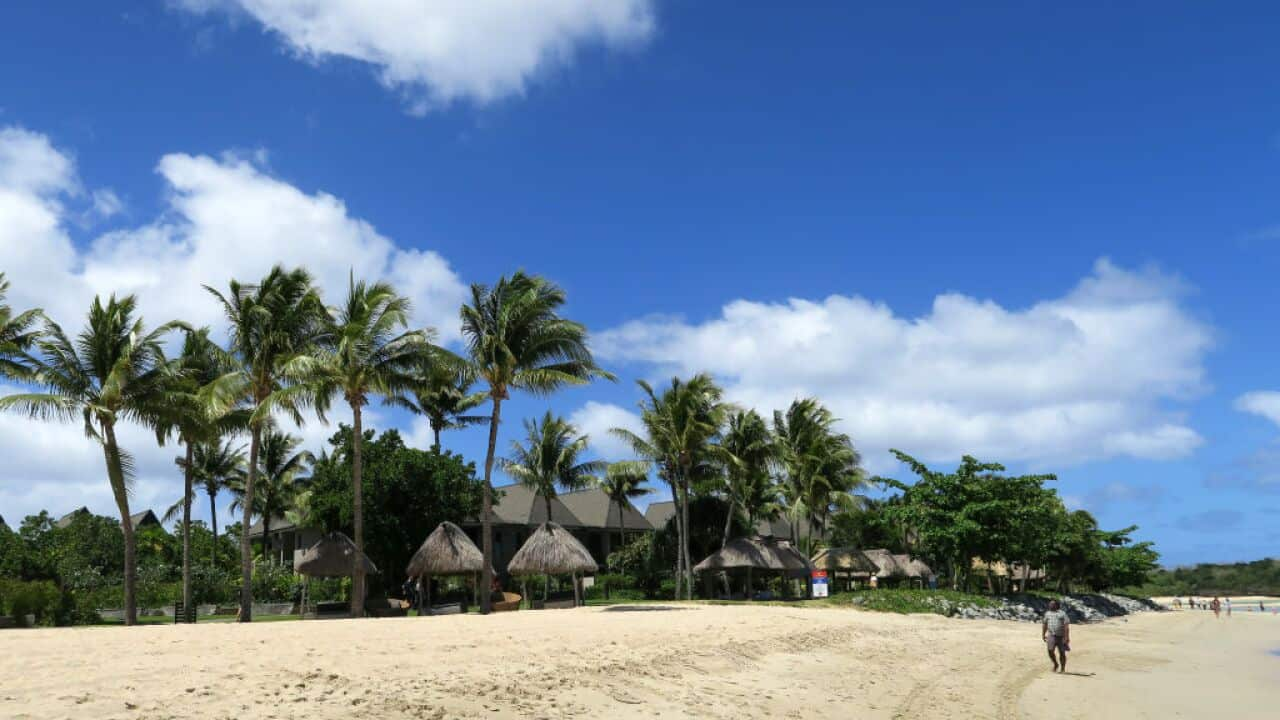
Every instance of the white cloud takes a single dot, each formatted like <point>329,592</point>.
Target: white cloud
<point>443,51</point>
<point>1264,403</point>
<point>1088,375</point>
<point>596,419</point>
<point>225,218</point>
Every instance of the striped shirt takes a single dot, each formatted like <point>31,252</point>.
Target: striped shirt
<point>1055,620</point>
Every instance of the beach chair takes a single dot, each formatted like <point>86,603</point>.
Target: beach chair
<point>183,614</point>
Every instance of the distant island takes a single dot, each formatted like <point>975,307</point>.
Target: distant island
<point>1260,577</point>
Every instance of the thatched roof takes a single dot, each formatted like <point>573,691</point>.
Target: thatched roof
<point>759,553</point>
<point>844,559</point>
<point>551,550</point>
<point>333,555</point>
<point>885,562</point>
<point>446,551</point>
<point>914,568</point>
<point>999,569</point>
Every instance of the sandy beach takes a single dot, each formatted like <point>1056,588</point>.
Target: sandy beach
<point>646,661</point>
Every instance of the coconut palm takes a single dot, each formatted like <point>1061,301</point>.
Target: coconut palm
<point>750,452</point>
<point>280,464</point>
<point>623,482</point>
<point>216,466</point>
<point>207,386</point>
<point>821,464</point>
<point>551,457</point>
<point>274,324</point>
<point>681,427</point>
<point>516,340</point>
<point>114,371</point>
<point>367,351</point>
<point>17,334</point>
<point>442,394</point>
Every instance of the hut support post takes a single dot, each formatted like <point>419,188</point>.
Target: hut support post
<point>524,590</point>
<point>577,591</point>
<point>475,579</point>
<point>750,595</point>
<point>426,595</point>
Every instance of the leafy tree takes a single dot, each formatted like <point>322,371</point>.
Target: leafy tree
<point>517,340</point>
<point>114,371</point>
<point>18,334</point>
<point>415,490</point>
<point>681,427</point>
<point>551,456</point>
<point>275,326</point>
<point>442,394</point>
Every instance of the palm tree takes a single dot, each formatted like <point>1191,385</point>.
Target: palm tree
<point>274,326</point>
<point>750,451</point>
<point>553,456</point>
<point>517,340</point>
<point>218,466</point>
<point>624,481</point>
<point>207,386</point>
<point>16,336</point>
<point>364,353</point>
<point>442,394</point>
<point>280,463</point>
<point>822,466</point>
<point>681,427</point>
<point>113,371</point>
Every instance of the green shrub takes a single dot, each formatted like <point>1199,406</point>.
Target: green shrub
<point>273,582</point>
<point>40,598</point>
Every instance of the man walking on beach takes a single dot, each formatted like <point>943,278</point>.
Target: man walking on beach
<point>1056,633</point>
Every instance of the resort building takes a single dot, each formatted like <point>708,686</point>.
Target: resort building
<point>144,519</point>
<point>660,513</point>
<point>286,542</point>
<point>588,514</point>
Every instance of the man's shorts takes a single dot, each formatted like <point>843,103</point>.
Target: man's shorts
<point>1056,642</point>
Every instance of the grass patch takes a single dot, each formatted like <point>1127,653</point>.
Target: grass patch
<point>906,601</point>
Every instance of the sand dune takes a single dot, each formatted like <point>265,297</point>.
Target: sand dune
<point>644,661</point>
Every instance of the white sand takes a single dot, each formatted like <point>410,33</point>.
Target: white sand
<point>698,661</point>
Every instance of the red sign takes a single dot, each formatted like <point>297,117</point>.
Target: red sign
<point>819,574</point>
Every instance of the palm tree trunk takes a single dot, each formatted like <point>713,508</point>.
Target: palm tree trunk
<point>688,559</point>
<point>622,532</point>
<point>728,518</point>
<point>546,579</point>
<point>246,552</point>
<point>213,517</point>
<point>266,535</point>
<point>675,497</point>
<point>115,473</point>
<point>357,493</point>
<point>435,431</point>
<point>486,510</point>
<point>186,528</point>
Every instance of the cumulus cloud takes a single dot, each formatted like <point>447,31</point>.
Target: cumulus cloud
<point>226,217</point>
<point>1263,403</point>
<point>1093,374</point>
<point>596,419</point>
<point>443,51</point>
<point>1258,471</point>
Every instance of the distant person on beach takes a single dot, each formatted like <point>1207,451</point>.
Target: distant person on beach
<point>1260,607</point>
<point>1228,607</point>
<point>1216,607</point>
<point>1055,631</point>
<point>874,582</point>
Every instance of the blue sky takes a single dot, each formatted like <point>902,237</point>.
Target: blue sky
<point>1046,236</point>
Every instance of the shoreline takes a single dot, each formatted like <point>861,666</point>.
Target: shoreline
<point>643,661</point>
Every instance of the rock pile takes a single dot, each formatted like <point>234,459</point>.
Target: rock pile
<point>1082,608</point>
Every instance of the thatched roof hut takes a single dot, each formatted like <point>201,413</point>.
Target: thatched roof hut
<point>333,555</point>
<point>552,550</point>
<point>756,553</point>
<point>886,565</point>
<point>446,551</point>
<point>913,568</point>
<point>844,560</point>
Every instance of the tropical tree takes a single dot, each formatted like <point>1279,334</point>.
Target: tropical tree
<point>750,452</point>
<point>280,464</point>
<point>17,335</point>
<point>442,394</point>
<point>680,429</point>
<point>551,456</point>
<point>366,351</point>
<point>623,482</point>
<point>275,325</point>
<point>516,340</point>
<point>218,466</point>
<point>114,371</point>
<point>206,386</point>
<point>822,468</point>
